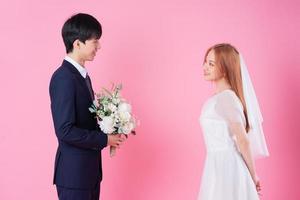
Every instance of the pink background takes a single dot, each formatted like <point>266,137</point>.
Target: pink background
<point>155,48</point>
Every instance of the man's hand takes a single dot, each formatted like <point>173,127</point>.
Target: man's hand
<point>115,140</point>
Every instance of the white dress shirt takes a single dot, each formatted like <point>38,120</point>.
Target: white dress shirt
<point>81,69</point>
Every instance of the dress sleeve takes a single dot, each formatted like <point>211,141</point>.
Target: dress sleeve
<point>230,108</point>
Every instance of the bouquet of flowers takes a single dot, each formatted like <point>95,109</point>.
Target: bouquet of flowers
<point>113,113</point>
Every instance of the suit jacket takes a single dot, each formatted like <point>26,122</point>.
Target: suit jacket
<point>78,157</point>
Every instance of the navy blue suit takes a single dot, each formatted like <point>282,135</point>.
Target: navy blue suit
<point>78,158</point>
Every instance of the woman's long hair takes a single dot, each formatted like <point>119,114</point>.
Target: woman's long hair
<point>227,58</point>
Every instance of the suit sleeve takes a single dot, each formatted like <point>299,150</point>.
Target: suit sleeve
<point>62,93</point>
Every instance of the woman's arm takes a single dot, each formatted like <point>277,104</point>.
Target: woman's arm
<point>243,145</point>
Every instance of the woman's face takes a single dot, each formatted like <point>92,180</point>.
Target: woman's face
<point>211,71</point>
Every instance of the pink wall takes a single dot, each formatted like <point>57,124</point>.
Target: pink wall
<point>155,48</point>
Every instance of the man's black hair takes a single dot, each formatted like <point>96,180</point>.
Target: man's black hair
<point>80,26</point>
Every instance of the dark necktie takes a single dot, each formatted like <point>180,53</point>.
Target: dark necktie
<point>89,85</point>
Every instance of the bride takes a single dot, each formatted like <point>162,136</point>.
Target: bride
<point>231,125</point>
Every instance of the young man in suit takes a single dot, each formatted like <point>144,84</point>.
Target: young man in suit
<point>78,168</point>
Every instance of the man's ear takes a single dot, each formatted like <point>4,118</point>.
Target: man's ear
<point>76,44</point>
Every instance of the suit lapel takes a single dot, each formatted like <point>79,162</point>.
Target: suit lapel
<point>79,78</point>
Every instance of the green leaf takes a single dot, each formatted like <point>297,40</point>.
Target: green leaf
<point>92,110</point>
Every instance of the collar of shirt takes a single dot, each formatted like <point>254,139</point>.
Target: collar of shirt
<point>81,69</point>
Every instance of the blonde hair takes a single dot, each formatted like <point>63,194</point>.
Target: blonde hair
<point>228,61</point>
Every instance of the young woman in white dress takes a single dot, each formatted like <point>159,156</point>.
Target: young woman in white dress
<point>231,125</point>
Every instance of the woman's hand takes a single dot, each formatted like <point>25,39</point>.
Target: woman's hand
<point>257,185</point>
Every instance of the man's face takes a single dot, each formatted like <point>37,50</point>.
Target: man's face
<point>89,49</point>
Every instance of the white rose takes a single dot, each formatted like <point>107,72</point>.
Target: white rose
<point>107,125</point>
<point>124,116</point>
<point>112,107</point>
<point>116,101</point>
<point>124,107</point>
<point>128,128</point>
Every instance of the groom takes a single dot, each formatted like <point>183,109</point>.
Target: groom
<point>78,168</point>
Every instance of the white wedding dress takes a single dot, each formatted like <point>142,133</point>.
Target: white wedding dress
<point>225,175</point>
